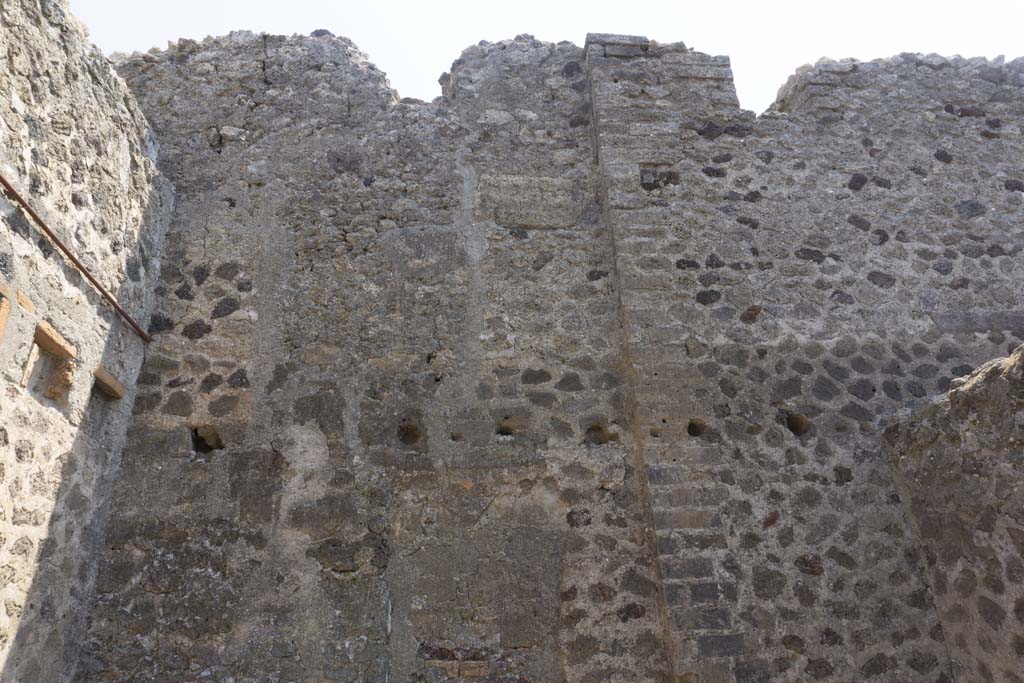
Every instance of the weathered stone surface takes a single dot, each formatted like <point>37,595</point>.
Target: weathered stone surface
<point>76,146</point>
<point>775,313</point>
<point>399,321</point>
<point>961,478</point>
<point>573,374</point>
<point>527,202</point>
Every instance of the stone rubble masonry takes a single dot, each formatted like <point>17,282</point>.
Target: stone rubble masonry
<point>75,143</point>
<point>782,280</point>
<point>959,466</point>
<point>577,373</point>
<point>385,391</point>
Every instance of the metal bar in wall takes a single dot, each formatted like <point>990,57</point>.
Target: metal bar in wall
<point>20,201</point>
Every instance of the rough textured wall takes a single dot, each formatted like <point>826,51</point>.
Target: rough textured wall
<point>961,477</point>
<point>787,282</point>
<point>398,320</point>
<point>77,147</point>
<point>573,374</point>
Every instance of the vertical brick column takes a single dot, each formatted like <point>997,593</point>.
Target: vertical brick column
<point>649,102</point>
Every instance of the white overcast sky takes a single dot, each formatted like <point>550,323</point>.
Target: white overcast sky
<point>414,42</point>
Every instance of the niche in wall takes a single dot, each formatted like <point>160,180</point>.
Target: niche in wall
<point>50,368</point>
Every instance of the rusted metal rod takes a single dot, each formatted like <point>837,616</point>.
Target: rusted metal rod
<point>78,264</point>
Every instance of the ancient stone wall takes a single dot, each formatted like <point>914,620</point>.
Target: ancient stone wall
<point>787,282</point>
<point>385,397</point>
<point>576,373</point>
<point>960,472</point>
<point>78,149</point>
<point>433,383</point>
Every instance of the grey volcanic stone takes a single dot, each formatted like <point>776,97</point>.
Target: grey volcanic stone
<point>576,373</point>
<point>959,471</point>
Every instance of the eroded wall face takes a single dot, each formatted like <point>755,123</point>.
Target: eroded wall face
<point>787,283</point>
<point>574,374</point>
<point>400,321</point>
<point>76,147</point>
<point>959,471</point>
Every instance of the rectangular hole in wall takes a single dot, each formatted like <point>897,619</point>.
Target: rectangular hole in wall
<point>50,368</point>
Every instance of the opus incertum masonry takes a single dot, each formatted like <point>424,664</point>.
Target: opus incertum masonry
<point>578,373</point>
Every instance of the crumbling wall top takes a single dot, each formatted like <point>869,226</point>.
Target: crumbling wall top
<point>905,80</point>
<point>961,477</point>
